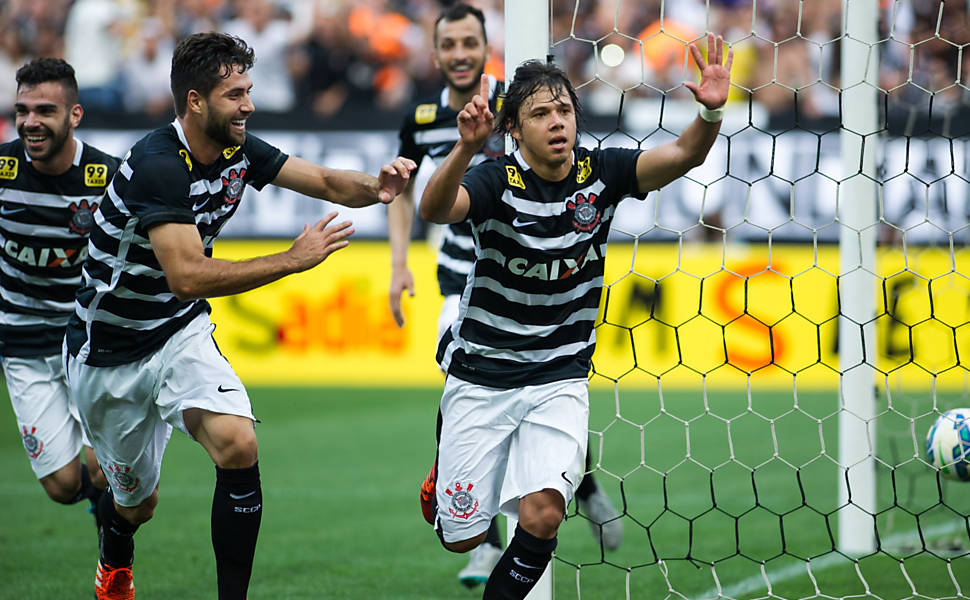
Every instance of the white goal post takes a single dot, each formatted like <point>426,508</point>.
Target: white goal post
<point>526,37</point>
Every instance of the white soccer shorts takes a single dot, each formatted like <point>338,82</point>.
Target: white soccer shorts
<point>47,418</point>
<point>499,445</point>
<point>128,411</point>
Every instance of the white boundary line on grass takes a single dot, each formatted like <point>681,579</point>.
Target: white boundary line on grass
<point>785,573</point>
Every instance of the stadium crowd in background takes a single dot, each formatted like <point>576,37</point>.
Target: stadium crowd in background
<point>320,59</point>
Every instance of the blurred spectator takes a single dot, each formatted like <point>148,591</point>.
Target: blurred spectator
<point>334,75</point>
<point>272,37</point>
<point>194,16</point>
<point>94,44</point>
<point>146,71</point>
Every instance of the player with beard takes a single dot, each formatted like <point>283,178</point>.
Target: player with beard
<point>140,354</point>
<point>460,52</point>
<point>515,408</point>
<point>50,185</point>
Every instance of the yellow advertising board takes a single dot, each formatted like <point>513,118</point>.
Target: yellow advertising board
<point>693,314</point>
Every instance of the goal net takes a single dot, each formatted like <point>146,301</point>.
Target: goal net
<point>780,328</point>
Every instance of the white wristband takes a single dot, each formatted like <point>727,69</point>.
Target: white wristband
<point>712,116</point>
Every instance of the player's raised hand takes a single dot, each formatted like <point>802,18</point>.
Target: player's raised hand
<point>715,84</point>
<point>401,280</point>
<point>476,121</point>
<point>393,177</point>
<point>315,243</point>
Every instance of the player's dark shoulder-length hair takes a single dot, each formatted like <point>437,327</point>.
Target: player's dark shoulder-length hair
<point>457,12</point>
<point>202,60</point>
<point>42,70</point>
<point>530,77</point>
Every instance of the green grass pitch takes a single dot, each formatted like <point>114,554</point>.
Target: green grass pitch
<point>341,467</point>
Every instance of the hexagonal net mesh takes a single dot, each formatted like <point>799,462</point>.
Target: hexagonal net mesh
<point>718,392</point>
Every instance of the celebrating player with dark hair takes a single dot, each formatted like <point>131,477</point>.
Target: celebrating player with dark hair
<point>515,406</point>
<point>141,357</point>
<point>50,186</point>
<point>460,53</point>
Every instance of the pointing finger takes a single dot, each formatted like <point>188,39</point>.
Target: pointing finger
<point>484,87</point>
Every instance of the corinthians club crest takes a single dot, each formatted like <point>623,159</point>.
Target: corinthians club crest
<point>585,214</point>
<point>32,445</point>
<point>463,503</point>
<point>122,477</point>
<point>234,185</point>
<point>82,221</point>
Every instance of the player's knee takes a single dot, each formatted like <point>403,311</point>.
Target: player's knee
<point>541,514</point>
<point>463,546</point>
<point>141,513</point>
<point>62,486</point>
<point>238,449</point>
<point>59,491</point>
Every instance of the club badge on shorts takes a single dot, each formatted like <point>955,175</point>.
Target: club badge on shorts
<point>123,478</point>
<point>463,503</point>
<point>32,445</point>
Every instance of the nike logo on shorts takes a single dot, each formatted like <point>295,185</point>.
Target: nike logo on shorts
<point>225,389</point>
<point>566,478</point>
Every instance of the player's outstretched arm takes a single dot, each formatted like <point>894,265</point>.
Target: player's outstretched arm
<point>400,219</point>
<point>349,188</point>
<point>444,200</point>
<point>659,166</point>
<point>191,274</point>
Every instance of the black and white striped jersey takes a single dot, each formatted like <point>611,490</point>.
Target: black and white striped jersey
<point>431,129</point>
<point>527,314</point>
<point>125,309</point>
<point>44,225</point>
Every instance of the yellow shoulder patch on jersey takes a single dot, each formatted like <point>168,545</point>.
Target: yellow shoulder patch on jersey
<point>583,170</point>
<point>498,103</point>
<point>228,152</point>
<point>515,178</point>
<point>95,175</point>
<point>8,167</point>
<point>185,156</point>
<point>425,113</point>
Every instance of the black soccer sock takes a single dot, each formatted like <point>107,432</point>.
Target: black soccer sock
<point>117,534</point>
<point>237,509</point>
<point>588,485</point>
<point>519,567</point>
<point>492,536</point>
<point>87,489</point>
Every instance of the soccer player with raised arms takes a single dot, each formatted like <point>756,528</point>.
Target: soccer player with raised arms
<point>140,354</point>
<point>515,406</point>
<point>50,187</point>
<point>460,52</point>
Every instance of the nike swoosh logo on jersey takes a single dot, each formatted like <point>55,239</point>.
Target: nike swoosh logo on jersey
<point>241,496</point>
<point>200,205</point>
<point>516,560</point>
<point>520,223</point>
<point>10,211</point>
<point>225,389</point>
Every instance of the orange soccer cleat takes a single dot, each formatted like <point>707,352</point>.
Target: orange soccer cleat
<point>114,584</point>
<point>429,501</point>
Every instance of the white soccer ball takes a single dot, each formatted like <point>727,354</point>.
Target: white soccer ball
<point>948,444</point>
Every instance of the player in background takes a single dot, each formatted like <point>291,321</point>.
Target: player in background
<point>460,52</point>
<point>139,349</point>
<point>515,406</point>
<point>50,186</point>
